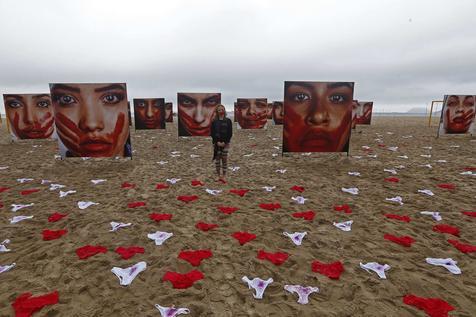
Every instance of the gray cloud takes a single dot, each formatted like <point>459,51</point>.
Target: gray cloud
<point>401,54</point>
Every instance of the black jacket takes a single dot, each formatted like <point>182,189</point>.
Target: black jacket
<point>221,130</point>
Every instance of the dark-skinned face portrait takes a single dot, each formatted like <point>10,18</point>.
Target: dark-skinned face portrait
<point>149,113</point>
<point>318,116</point>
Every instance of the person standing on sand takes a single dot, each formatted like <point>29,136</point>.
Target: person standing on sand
<point>221,133</point>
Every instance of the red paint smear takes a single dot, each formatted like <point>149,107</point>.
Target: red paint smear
<point>25,305</point>
<point>53,234</point>
<point>307,215</point>
<point>406,241</point>
<point>128,252</point>
<point>56,217</point>
<point>195,257</point>
<point>205,226</point>
<point>277,258</point>
<point>160,217</point>
<point>398,217</point>
<point>243,237</point>
<point>332,270</point>
<point>446,229</point>
<point>182,281</point>
<point>90,250</point>
<point>434,307</point>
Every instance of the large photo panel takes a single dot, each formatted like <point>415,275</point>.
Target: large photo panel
<point>91,119</point>
<point>169,112</point>
<point>278,112</point>
<point>458,115</point>
<point>364,112</point>
<point>317,116</point>
<point>30,116</point>
<point>251,113</point>
<point>196,112</point>
<point>149,113</point>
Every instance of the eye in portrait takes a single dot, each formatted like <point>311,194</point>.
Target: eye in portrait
<point>318,116</point>
<point>149,113</point>
<point>458,114</point>
<point>91,119</point>
<point>196,112</point>
<point>30,115</point>
<point>251,113</point>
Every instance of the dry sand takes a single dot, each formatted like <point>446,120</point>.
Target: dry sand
<point>88,288</point>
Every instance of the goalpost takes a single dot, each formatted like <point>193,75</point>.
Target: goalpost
<point>436,108</point>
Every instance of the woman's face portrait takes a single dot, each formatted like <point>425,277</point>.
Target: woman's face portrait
<point>252,112</point>
<point>278,112</point>
<point>355,111</point>
<point>91,119</point>
<point>169,115</point>
<point>149,113</point>
<point>458,113</point>
<point>318,116</point>
<point>196,111</point>
<point>364,112</point>
<point>269,114</point>
<point>30,115</point>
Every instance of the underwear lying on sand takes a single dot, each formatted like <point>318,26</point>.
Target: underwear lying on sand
<point>159,237</point>
<point>377,268</point>
<point>171,311</point>
<point>3,247</point>
<point>302,291</point>
<point>296,237</point>
<point>448,264</point>
<point>258,285</point>
<point>127,275</point>
<point>344,226</point>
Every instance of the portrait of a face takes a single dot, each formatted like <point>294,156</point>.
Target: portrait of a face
<point>196,112</point>
<point>355,112</point>
<point>278,112</point>
<point>30,115</point>
<point>458,114</point>
<point>169,114</point>
<point>149,113</point>
<point>364,112</point>
<point>318,116</point>
<point>269,114</point>
<point>251,113</point>
<point>91,119</point>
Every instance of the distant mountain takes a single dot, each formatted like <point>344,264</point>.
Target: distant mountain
<point>417,110</point>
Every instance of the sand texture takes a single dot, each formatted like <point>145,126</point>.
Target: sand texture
<point>89,288</point>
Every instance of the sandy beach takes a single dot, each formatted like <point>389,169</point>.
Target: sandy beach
<point>87,287</point>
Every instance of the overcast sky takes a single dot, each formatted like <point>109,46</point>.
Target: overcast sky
<point>401,54</point>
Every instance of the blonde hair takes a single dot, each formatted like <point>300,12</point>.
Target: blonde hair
<point>216,111</point>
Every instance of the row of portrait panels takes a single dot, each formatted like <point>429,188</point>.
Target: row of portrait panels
<point>93,120</point>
